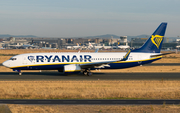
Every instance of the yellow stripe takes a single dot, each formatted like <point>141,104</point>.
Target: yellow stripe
<point>127,54</point>
<point>72,70</point>
<point>82,63</point>
<point>137,60</point>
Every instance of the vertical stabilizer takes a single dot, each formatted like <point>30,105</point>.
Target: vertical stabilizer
<point>154,43</point>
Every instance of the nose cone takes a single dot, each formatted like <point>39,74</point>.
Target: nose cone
<point>6,64</point>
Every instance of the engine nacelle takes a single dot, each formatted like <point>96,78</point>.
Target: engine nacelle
<point>71,68</point>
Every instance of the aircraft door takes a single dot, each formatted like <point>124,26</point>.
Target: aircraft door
<point>139,59</point>
<point>24,60</point>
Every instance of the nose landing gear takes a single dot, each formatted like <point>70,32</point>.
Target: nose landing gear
<point>20,73</point>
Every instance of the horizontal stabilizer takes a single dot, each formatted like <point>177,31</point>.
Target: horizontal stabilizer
<point>161,54</point>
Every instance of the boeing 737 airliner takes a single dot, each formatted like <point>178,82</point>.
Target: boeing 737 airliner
<point>84,62</point>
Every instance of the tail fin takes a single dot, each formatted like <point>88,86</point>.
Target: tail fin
<point>154,43</point>
<point>90,45</point>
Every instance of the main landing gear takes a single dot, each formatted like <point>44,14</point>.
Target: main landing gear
<point>20,73</point>
<point>87,72</point>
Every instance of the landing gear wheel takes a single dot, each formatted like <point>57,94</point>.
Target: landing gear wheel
<point>85,72</point>
<point>20,73</point>
<point>89,73</point>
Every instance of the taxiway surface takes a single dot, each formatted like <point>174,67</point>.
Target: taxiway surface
<point>96,76</point>
<point>88,102</point>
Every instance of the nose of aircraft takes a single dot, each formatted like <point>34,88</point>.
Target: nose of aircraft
<point>5,64</point>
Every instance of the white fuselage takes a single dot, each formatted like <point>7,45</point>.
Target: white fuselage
<point>33,59</point>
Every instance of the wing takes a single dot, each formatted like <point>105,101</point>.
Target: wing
<point>103,64</point>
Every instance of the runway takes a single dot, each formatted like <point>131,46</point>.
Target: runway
<point>88,102</point>
<point>96,76</point>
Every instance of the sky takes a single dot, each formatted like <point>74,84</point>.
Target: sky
<point>79,18</point>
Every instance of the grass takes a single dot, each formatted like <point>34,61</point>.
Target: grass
<point>94,109</point>
<point>8,54</point>
<point>122,89</point>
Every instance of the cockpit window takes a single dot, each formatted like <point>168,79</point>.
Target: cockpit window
<point>12,59</point>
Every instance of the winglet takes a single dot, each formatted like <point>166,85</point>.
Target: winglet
<point>126,56</point>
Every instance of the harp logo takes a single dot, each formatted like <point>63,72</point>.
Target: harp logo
<point>31,58</point>
<point>156,40</point>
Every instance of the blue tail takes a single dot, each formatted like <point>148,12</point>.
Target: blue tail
<point>154,43</point>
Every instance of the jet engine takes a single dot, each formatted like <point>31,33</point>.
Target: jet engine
<point>72,68</point>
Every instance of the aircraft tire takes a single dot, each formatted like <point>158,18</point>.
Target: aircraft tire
<point>89,73</point>
<point>20,74</point>
<point>85,72</point>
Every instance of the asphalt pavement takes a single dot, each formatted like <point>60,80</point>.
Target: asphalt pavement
<point>88,102</point>
<point>95,76</point>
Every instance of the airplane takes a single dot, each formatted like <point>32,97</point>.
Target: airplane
<point>102,47</point>
<point>69,47</point>
<point>23,46</point>
<point>124,47</point>
<point>98,47</point>
<point>90,45</point>
<point>107,47</point>
<point>77,47</point>
<point>1,47</point>
<point>28,46</point>
<point>85,62</point>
